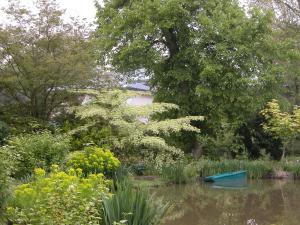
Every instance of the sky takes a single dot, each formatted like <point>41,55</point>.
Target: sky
<point>81,8</point>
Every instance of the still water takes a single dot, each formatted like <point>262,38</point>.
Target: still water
<point>140,100</point>
<point>263,202</point>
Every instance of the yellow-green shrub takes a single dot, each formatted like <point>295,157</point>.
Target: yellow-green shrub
<point>94,160</point>
<point>59,198</point>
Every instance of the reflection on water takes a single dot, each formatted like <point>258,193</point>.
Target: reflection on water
<point>267,202</point>
<point>230,183</point>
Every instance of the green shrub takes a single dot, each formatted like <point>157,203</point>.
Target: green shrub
<point>179,173</point>
<point>4,131</point>
<point>4,184</point>
<point>225,144</point>
<point>132,206</point>
<point>29,151</point>
<point>59,198</point>
<point>97,135</point>
<point>94,160</point>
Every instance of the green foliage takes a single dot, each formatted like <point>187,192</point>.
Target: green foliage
<point>122,173</point>
<point>291,165</point>
<point>42,56</point>
<point>132,206</point>
<point>94,160</point>
<point>28,151</point>
<point>129,134</point>
<point>4,131</point>
<point>282,125</point>
<point>59,198</point>
<point>4,184</point>
<point>20,124</point>
<point>288,35</point>
<point>225,144</point>
<point>208,57</point>
<point>96,135</point>
<point>257,141</point>
<point>180,172</point>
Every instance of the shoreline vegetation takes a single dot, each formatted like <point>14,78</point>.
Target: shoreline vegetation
<point>187,172</point>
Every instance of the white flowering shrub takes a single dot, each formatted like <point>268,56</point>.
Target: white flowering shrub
<point>129,132</point>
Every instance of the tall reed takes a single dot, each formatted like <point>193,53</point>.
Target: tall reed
<point>292,166</point>
<point>179,173</point>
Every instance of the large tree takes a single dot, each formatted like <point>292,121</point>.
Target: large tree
<point>208,57</point>
<point>287,24</point>
<point>41,56</point>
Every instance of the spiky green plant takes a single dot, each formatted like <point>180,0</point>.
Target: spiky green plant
<point>132,206</point>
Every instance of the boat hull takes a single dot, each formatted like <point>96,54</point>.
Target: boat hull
<point>227,177</point>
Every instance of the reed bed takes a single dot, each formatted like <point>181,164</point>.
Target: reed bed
<point>179,173</point>
<point>256,169</point>
<point>184,172</point>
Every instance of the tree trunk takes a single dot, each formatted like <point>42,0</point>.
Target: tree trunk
<point>283,153</point>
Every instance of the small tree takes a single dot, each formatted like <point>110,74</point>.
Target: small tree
<point>41,56</point>
<point>282,125</point>
<point>130,134</point>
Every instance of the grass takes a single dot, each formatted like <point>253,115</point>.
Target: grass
<point>292,165</point>
<point>148,181</point>
<point>179,173</point>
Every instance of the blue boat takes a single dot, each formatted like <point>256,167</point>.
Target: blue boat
<point>228,178</point>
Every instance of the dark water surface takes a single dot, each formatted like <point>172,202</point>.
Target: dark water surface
<point>262,202</point>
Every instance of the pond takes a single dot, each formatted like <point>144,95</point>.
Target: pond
<point>140,100</point>
<point>262,202</point>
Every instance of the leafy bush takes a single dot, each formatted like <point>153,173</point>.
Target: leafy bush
<point>60,198</point>
<point>29,151</point>
<point>4,184</point>
<point>225,144</point>
<point>179,173</point>
<point>97,135</point>
<point>94,160</point>
<point>4,131</point>
<point>132,206</point>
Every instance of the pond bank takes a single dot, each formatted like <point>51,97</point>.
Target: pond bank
<point>189,171</point>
